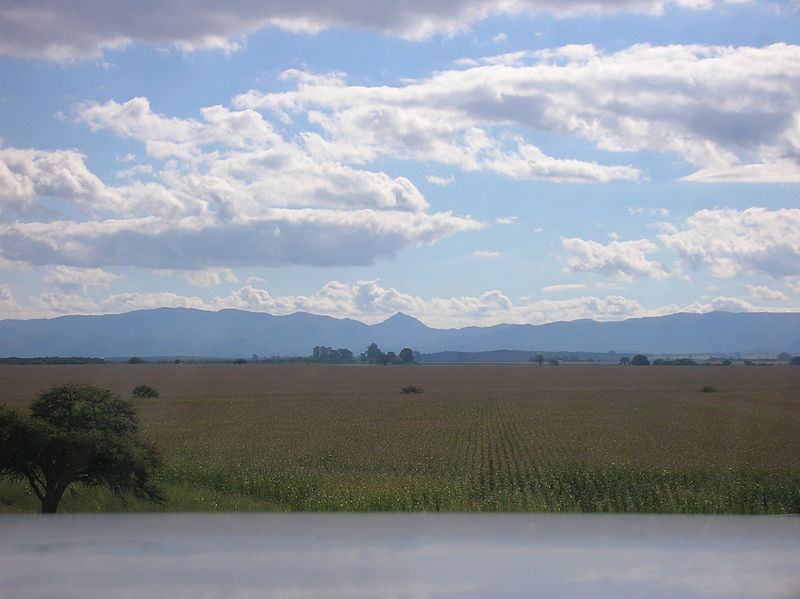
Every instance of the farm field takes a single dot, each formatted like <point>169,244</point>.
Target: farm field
<point>479,438</point>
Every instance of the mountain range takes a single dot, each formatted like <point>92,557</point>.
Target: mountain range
<point>236,333</point>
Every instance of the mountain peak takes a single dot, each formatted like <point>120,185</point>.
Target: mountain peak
<point>400,318</point>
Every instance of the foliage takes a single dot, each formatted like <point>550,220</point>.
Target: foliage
<point>77,434</point>
<point>411,389</point>
<point>675,362</point>
<point>624,361</point>
<point>795,361</point>
<point>52,360</point>
<point>406,355</point>
<point>640,360</point>
<point>332,356</point>
<point>708,389</point>
<point>143,391</point>
<point>135,360</point>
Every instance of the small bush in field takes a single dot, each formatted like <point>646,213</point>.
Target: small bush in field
<point>142,391</point>
<point>411,389</point>
<point>708,389</point>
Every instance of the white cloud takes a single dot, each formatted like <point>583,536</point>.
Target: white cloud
<point>621,259</point>
<point>764,293</point>
<point>486,254</point>
<point>433,179</point>
<point>60,174</point>
<point>69,279</point>
<point>505,220</point>
<point>229,192</point>
<point>253,280</point>
<point>58,30</point>
<point>281,236</point>
<point>730,242</point>
<point>732,113</point>
<point>369,301</point>
<point>211,277</point>
<point>562,288</point>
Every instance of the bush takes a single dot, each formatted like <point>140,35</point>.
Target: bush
<point>142,391</point>
<point>411,389</point>
<point>640,360</point>
<point>708,389</point>
<point>135,360</point>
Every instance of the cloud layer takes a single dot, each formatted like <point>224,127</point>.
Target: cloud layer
<point>731,113</point>
<point>58,30</point>
<point>219,192</point>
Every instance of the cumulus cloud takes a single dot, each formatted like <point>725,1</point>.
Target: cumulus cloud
<point>69,279</point>
<point>443,181</point>
<point>486,254</point>
<point>625,260</point>
<point>731,242</point>
<point>59,30</point>
<point>221,191</point>
<point>732,113</point>
<point>62,174</point>
<point>283,236</point>
<point>211,277</point>
<point>764,293</point>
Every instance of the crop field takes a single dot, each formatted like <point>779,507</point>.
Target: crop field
<point>478,438</point>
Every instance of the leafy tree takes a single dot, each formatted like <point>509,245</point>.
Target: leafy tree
<point>373,355</point>
<point>135,360</point>
<point>784,356</point>
<point>77,434</point>
<point>142,391</point>
<point>624,360</point>
<point>391,358</point>
<point>795,361</point>
<point>640,360</point>
<point>406,355</point>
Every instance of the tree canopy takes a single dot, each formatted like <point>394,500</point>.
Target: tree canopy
<point>77,434</point>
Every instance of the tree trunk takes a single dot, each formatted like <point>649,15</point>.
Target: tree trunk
<point>51,499</point>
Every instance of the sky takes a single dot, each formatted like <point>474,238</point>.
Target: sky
<point>466,162</point>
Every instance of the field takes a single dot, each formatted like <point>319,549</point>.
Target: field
<point>479,438</point>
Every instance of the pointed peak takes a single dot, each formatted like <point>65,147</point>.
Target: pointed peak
<point>402,318</point>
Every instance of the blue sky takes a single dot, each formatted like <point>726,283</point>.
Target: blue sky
<point>468,162</point>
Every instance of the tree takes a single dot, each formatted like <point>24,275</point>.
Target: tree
<point>640,360</point>
<point>795,361</point>
<point>77,434</point>
<point>143,391</point>
<point>406,355</point>
<point>373,355</point>
<point>784,356</point>
<point>135,360</point>
<point>624,360</point>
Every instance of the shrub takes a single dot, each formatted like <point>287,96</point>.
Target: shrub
<point>708,389</point>
<point>411,389</point>
<point>135,360</point>
<point>142,391</point>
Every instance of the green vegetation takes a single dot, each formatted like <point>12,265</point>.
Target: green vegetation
<point>142,391</point>
<point>52,360</point>
<point>76,434</point>
<point>708,389</point>
<point>411,389</point>
<point>481,438</point>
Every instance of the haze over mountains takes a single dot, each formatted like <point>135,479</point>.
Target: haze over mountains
<point>235,333</point>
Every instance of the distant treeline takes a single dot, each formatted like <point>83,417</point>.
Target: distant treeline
<point>52,360</point>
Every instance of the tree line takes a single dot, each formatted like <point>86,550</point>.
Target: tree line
<point>372,355</point>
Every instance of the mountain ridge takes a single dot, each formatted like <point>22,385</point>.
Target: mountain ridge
<point>237,333</point>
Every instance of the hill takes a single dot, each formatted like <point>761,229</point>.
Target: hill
<point>236,333</point>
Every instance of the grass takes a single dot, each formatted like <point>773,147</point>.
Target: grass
<point>481,438</point>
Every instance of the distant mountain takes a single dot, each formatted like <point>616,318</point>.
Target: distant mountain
<point>235,333</point>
